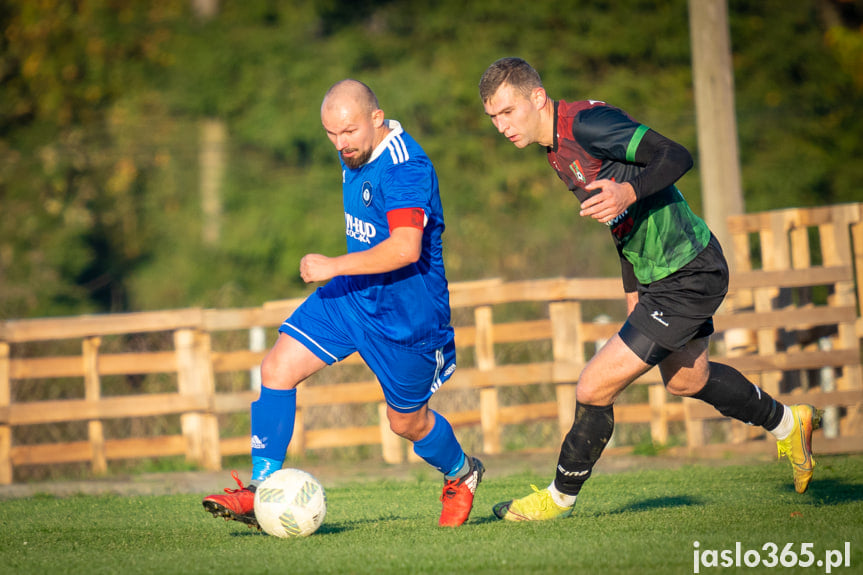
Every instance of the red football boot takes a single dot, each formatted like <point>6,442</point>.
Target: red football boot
<point>457,496</point>
<point>236,504</point>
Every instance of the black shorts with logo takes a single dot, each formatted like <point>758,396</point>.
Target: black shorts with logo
<point>679,308</point>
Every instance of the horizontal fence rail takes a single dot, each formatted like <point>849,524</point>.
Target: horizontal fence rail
<point>100,388</point>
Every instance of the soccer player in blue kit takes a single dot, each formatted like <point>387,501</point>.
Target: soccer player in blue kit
<point>674,275</point>
<point>386,299</point>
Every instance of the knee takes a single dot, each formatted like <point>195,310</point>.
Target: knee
<point>686,386</point>
<point>269,369</point>
<point>589,392</point>
<point>411,426</point>
<point>406,428</point>
<point>274,373</point>
<point>399,426</point>
<point>585,395</point>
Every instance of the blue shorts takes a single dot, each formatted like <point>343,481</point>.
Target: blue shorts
<point>408,377</point>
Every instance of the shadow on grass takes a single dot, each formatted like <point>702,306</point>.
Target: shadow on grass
<point>250,532</point>
<point>657,503</point>
<point>324,529</point>
<point>646,505</point>
<point>829,492</point>
<point>476,519</point>
<point>333,529</point>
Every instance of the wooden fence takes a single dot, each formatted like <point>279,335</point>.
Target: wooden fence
<point>791,323</point>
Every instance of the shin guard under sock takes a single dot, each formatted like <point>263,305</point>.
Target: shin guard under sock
<point>583,445</point>
<point>440,448</point>
<point>733,395</point>
<point>273,416</point>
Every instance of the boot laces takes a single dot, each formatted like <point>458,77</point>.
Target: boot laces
<point>236,477</point>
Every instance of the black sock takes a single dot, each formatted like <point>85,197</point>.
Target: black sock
<point>583,445</point>
<point>735,396</point>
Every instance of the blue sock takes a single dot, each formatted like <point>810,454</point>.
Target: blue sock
<point>272,427</point>
<point>440,448</point>
<point>263,467</point>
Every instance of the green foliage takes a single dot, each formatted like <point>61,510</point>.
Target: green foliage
<point>80,136</point>
<point>798,106</point>
<point>102,103</point>
<point>639,522</point>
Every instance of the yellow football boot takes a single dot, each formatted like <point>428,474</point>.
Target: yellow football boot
<point>798,445</point>
<point>538,506</point>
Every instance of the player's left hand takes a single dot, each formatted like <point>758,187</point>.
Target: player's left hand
<point>611,200</point>
<point>316,268</point>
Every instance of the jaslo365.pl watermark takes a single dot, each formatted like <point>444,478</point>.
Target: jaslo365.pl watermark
<point>791,555</point>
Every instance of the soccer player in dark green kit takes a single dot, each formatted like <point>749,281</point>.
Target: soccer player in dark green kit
<point>674,275</point>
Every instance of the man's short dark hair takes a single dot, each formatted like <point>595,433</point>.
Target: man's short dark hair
<point>513,71</point>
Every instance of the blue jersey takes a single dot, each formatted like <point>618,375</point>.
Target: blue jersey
<point>408,306</point>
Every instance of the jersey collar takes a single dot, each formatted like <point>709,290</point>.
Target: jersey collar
<point>395,131</point>
<point>553,147</point>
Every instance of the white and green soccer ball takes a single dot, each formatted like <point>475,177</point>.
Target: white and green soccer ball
<point>290,503</point>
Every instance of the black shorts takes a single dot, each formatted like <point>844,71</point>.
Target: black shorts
<point>679,308</point>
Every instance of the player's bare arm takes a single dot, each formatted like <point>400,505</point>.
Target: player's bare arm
<point>402,248</point>
<point>631,301</point>
<point>611,200</point>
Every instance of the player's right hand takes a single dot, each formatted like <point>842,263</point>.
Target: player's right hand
<point>316,268</point>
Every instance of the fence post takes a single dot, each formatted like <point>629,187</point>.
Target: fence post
<point>733,342</point>
<point>857,248</point>
<point>195,378</point>
<point>257,342</point>
<point>657,398</point>
<point>391,444</point>
<point>567,346</point>
<point>297,446</point>
<point>211,453</point>
<point>93,392</point>
<point>186,383</point>
<point>830,421</point>
<point>800,259</point>
<point>694,427</point>
<point>836,251</point>
<point>775,255</point>
<point>5,428</point>
<point>489,406</point>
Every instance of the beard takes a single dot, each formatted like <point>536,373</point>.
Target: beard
<point>358,160</point>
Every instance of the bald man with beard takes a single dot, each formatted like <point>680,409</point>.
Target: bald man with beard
<point>387,299</point>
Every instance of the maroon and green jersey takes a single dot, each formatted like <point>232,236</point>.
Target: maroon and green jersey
<point>658,234</point>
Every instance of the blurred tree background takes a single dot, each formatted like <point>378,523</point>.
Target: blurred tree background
<point>108,109</point>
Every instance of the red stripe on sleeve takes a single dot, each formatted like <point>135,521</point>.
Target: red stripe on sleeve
<point>406,218</point>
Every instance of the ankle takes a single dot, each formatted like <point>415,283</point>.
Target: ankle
<point>561,499</point>
<point>461,470</point>
<point>786,425</point>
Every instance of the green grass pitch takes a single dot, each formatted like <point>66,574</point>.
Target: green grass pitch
<point>633,522</point>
